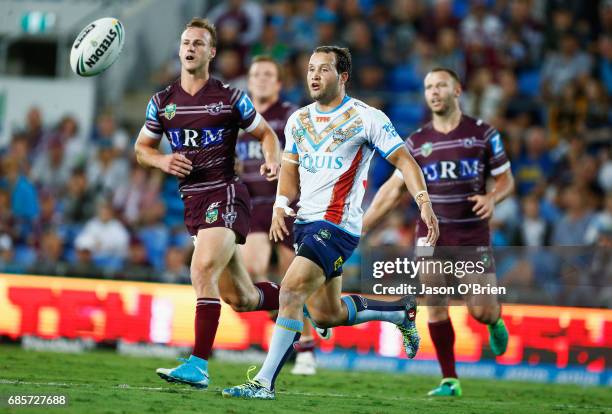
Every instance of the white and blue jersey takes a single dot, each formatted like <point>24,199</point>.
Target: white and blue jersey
<point>335,149</point>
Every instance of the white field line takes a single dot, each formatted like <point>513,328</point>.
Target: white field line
<point>178,388</point>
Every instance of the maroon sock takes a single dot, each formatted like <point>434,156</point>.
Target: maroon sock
<point>306,346</point>
<point>207,315</point>
<point>268,295</point>
<point>443,337</point>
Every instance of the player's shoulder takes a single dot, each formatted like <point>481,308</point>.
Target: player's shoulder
<point>477,127</point>
<point>162,96</point>
<point>302,110</point>
<point>421,134</point>
<point>288,106</point>
<point>369,114</point>
<point>225,89</point>
<point>364,109</point>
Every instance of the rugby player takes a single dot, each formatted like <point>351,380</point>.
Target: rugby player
<point>457,154</point>
<point>201,117</point>
<point>264,86</point>
<point>329,144</point>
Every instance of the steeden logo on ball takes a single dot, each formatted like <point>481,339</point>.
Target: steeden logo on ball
<point>97,47</point>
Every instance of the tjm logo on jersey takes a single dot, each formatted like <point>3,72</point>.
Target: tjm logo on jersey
<point>195,138</point>
<point>313,163</point>
<point>464,169</point>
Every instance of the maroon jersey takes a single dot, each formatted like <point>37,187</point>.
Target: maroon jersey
<point>251,156</point>
<point>456,166</point>
<point>204,128</point>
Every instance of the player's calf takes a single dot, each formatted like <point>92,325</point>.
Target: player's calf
<point>402,313</point>
<point>498,333</point>
<point>487,314</point>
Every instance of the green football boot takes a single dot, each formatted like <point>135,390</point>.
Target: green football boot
<point>449,387</point>
<point>498,337</point>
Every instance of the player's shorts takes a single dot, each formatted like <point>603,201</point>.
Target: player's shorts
<point>460,241</point>
<point>228,206</point>
<point>261,221</point>
<point>325,244</point>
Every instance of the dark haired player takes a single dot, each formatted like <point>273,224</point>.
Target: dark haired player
<point>201,117</point>
<point>264,85</point>
<point>329,144</point>
<point>457,154</point>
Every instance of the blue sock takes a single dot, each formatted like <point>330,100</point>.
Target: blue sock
<point>199,362</point>
<point>362,310</point>
<point>286,333</point>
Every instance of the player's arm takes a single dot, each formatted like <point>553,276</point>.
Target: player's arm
<point>499,165</point>
<point>485,204</point>
<point>386,198</point>
<point>415,183</point>
<point>287,191</point>
<point>148,155</point>
<point>271,150</point>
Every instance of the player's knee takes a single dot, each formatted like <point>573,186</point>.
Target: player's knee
<point>204,268</point>
<point>257,270</point>
<point>484,314</point>
<point>437,313</point>
<point>237,303</point>
<point>290,296</point>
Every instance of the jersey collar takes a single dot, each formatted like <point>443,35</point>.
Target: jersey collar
<point>345,100</point>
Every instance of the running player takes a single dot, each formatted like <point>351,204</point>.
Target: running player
<point>457,154</point>
<point>264,84</point>
<point>201,117</point>
<point>329,144</point>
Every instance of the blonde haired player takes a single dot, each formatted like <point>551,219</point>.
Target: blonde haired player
<point>201,116</point>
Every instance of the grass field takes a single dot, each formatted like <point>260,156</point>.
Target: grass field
<point>105,382</point>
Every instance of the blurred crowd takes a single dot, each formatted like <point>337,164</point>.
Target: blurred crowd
<point>540,71</point>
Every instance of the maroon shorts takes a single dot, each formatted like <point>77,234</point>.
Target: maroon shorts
<point>463,241</point>
<point>228,206</point>
<point>261,220</point>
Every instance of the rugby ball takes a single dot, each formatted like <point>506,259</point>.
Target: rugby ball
<point>97,46</point>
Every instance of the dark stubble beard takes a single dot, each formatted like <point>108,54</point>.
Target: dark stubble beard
<point>327,95</point>
<point>446,110</point>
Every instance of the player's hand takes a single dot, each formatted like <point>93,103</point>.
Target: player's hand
<point>484,205</point>
<point>431,221</point>
<point>270,170</point>
<point>176,164</point>
<point>279,230</point>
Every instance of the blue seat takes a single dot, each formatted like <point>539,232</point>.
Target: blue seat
<point>155,240</point>
<point>406,116</point>
<point>529,82</point>
<point>24,255</point>
<point>403,78</point>
<point>173,202</point>
<point>461,8</point>
<point>108,263</point>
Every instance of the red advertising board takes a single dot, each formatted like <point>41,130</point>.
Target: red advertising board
<point>52,307</point>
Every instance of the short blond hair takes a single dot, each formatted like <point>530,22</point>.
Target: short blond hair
<point>201,23</point>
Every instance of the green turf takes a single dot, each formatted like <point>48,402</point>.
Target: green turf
<point>106,382</point>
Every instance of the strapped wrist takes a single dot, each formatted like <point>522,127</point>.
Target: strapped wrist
<point>281,201</point>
